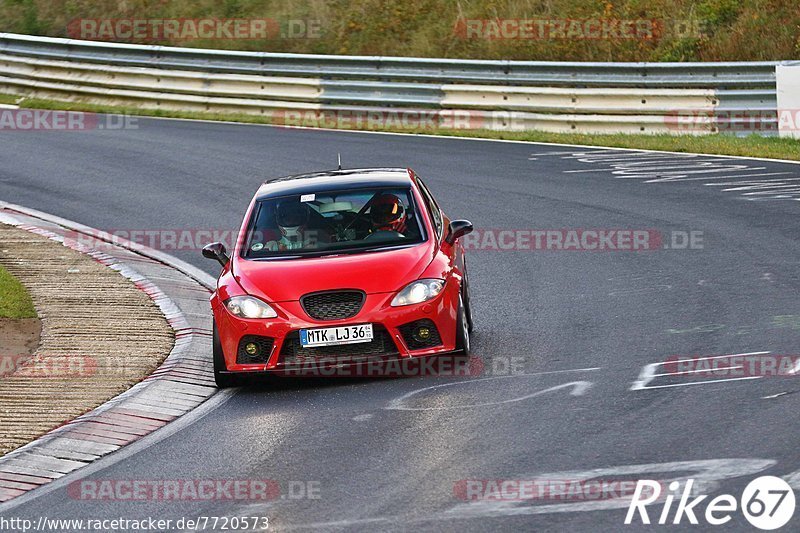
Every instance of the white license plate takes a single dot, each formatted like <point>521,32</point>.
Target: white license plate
<point>336,336</point>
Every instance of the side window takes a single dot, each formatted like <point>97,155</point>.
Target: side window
<point>433,208</point>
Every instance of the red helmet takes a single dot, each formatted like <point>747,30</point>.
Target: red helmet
<point>388,214</point>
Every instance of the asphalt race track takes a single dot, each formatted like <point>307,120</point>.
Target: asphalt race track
<point>578,327</point>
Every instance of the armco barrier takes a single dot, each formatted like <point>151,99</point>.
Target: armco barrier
<point>509,95</point>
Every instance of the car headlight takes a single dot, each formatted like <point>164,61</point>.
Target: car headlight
<point>420,291</point>
<point>250,307</point>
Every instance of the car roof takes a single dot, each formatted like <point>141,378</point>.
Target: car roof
<point>332,180</point>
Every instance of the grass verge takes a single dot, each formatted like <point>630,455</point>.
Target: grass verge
<point>8,99</point>
<point>15,302</point>
<point>543,30</point>
<point>750,146</point>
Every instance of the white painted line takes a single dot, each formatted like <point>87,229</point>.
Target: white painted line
<point>760,175</point>
<point>615,154</point>
<point>775,192</point>
<point>713,357</point>
<point>648,372</point>
<point>699,382</point>
<point>578,389</point>
<point>636,166</point>
<point>645,376</point>
<point>708,475</point>
<point>699,370</point>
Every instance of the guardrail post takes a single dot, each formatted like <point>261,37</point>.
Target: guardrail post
<point>788,80</point>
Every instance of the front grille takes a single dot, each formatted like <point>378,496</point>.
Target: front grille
<point>264,349</point>
<point>407,330</point>
<point>333,305</point>
<point>381,344</point>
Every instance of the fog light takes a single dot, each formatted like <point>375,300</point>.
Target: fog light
<point>422,334</point>
<point>252,349</point>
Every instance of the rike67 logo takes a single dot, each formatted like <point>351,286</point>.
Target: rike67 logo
<point>767,503</point>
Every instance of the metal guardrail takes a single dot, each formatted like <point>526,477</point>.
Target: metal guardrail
<point>555,96</point>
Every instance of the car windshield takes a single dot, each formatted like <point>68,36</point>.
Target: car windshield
<point>333,222</point>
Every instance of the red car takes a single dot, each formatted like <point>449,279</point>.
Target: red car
<point>340,268</point>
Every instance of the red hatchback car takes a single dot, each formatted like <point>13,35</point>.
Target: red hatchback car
<point>340,268</point>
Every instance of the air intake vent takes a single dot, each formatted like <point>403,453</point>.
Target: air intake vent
<point>333,305</point>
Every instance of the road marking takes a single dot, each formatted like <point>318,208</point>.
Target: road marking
<point>664,167</point>
<point>654,166</point>
<point>707,475</point>
<point>362,418</point>
<point>758,184</point>
<point>772,396</point>
<point>698,383</point>
<point>578,389</point>
<point>793,479</point>
<point>717,357</point>
<point>696,371</point>
<point>648,373</point>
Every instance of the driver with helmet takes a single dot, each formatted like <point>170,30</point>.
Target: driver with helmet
<point>388,214</point>
<point>291,217</point>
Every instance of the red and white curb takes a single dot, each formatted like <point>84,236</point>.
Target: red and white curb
<point>183,381</point>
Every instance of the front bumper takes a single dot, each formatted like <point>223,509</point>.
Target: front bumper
<point>390,342</point>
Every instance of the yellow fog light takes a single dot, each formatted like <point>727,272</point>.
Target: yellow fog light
<point>422,333</point>
<point>252,349</point>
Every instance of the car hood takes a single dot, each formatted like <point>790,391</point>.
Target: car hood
<point>371,272</point>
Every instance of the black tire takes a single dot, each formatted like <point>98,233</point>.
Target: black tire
<point>223,381</point>
<point>467,300</point>
<point>463,344</point>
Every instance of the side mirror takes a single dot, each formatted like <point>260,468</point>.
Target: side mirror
<point>216,251</point>
<point>458,228</point>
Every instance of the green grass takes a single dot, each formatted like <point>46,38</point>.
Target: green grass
<point>682,30</point>
<point>15,302</point>
<point>751,146</point>
<point>8,99</point>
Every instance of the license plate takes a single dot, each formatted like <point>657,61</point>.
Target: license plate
<point>336,336</point>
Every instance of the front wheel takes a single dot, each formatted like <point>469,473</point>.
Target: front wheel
<point>222,380</point>
<point>462,329</point>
